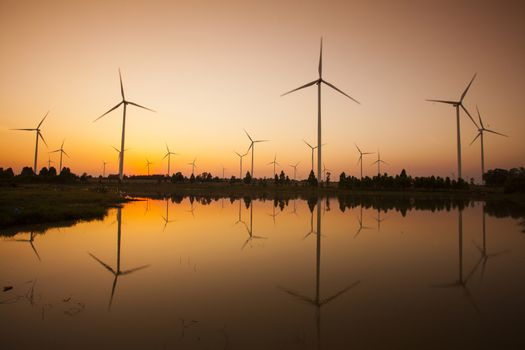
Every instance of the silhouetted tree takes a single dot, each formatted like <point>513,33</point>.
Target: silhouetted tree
<point>312,181</point>
<point>247,178</point>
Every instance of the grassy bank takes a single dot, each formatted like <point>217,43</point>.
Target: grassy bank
<point>29,206</point>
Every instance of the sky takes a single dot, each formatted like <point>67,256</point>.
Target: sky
<point>211,69</point>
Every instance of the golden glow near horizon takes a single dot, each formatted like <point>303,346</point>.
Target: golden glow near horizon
<point>210,70</point>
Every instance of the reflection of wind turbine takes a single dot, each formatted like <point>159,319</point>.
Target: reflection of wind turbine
<point>168,155</point>
<point>240,162</point>
<point>483,250</point>
<point>193,166</point>
<point>318,82</point>
<point>274,164</point>
<point>167,218</point>
<point>252,146</point>
<point>61,150</point>
<point>379,220</point>
<point>317,302</point>
<point>360,220</point>
<point>125,104</point>
<point>461,281</point>
<point>38,135</point>
<point>249,229</point>
<point>117,272</point>
<point>311,225</point>
<point>458,105</point>
<point>30,240</point>
<point>148,163</point>
<point>378,162</point>
<point>360,159</point>
<point>273,214</point>
<point>481,129</point>
<point>295,170</point>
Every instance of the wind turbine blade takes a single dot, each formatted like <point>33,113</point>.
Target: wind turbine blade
<point>333,87</point>
<point>468,87</point>
<point>42,137</point>
<point>121,85</point>
<point>309,145</point>
<point>65,153</point>
<point>476,124</point>
<point>137,105</point>
<point>444,101</point>
<point>237,153</point>
<point>475,138</point>
<point>495,132</point>
<point>479,117</point>
<point>301,87</point>
<point>260,141</point>
<point>115,148</point>
<point>321,60</point>
<point>167,148</point>
<point>246,132</point>
<point>167,154</point>
<point>327,300</point>
<point>111,110</point>
<point>103,264</point>
<point>134,270</point>
<point>358,148</point>
<point>24,129</point>
<point>42,120</point>
<point>368,152</point>
<point>62,146</point>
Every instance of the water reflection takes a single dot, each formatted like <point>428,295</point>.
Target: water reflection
<point>317,301</point>
<point>30,240</point>
<point>360,221</point>
<point>118,272</point>
<point>249,228</point>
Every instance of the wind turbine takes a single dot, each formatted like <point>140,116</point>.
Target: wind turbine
<point>325,169</point>
<point>274,164</point>
<point>62,152</point>
<point>192,166</point>
<point>252,146</point>
<point>148,163</point>
<point>104,168</point>
<point>168,155</point>
<point>361,227</point>
<point>458,105</point>
<point>118,272</point>
<point>312,148</point>
<point>124,103</point>
<point>240,161</point>
<point>38,135</point>
<point>295,169</point>
<point>360,160</point>
<point>378,162</point>
<point>481,129</point>
<point>49,161</point>
<point>318,83</point>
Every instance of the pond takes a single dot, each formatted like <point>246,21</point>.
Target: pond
<point>242,273</point>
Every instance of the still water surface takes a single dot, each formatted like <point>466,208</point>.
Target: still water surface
<point>252,274</point>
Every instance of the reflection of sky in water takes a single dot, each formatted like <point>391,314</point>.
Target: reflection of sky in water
<point>248,274</point>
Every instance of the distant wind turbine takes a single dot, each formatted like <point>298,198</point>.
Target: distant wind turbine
<point>325,170</point>
<point>458,105</point>
<point>481,129</point>
<point>295,169</point>
<point>312,148</point>
<point>62,152</point>
<point>274,164</point>
<point>49,161</point>
<point>38,135</point>
<point>378,162</point>
<point>252,146</point>
<point>148,163</point>
<point>240,161</point>
<point>104,168</point>
<point>168,155</point>
<point>360,160</point>
<point>193,166</point>
<point>124,103</point>
<point>318,83</point>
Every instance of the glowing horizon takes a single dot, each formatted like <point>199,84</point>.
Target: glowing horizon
<point>212,70</point>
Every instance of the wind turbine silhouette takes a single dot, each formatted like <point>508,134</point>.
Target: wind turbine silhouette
<point>317,301</point>
<point>62,152</point>
<point>168,155</point>
<point>458,105</point>
<point>252,147</point>
<point>318,82</point>
<point>360,159</point>
<point>481,129</point>
<point>274,164</point>
<point>148,163</point>
<point>30,241</point>
<point>118,272</point>
<point>104,168</point>
<point>240,161</point>
<point>295,170</point>
<point>378,162</point>
<point>125,104</point>
<point>49,161</point>
<point>193,166</point>
<point>312,148</point>
<point>38,135</point>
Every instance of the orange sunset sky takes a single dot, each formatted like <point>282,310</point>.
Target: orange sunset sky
<point>212,68</point>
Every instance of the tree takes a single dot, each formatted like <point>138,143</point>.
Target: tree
<point>312,181</point>
<point>247,178</point>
